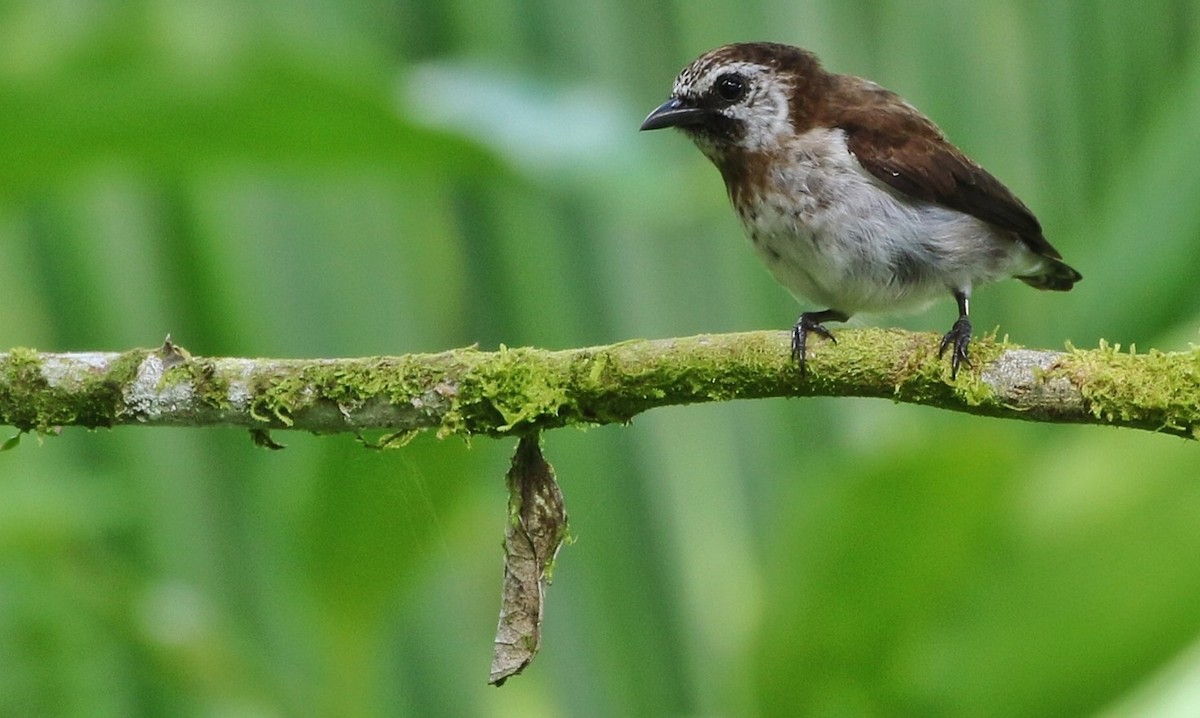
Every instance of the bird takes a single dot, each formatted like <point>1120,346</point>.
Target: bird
<point>852,197</point>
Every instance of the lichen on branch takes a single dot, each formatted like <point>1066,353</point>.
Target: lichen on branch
<point>516,391</point>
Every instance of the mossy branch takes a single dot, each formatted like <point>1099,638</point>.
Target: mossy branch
<point>517,391</point>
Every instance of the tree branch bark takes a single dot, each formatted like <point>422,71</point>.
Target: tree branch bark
<point>517,391</point>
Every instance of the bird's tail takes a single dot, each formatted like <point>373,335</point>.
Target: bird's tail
<point>1055,275</point>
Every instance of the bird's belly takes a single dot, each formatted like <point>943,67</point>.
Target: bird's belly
<point>837,271</point>
<point>849,244</point>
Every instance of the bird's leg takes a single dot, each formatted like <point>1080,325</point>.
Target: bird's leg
<point>811,322</point>
<point>959,335</point>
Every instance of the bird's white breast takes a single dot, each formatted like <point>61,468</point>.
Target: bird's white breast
<point>833,233</point>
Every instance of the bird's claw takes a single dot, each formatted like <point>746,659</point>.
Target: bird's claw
<point>800,332</point>
<point>958,337</point>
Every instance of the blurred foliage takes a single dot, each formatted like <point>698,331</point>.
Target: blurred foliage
<point>321,178</point>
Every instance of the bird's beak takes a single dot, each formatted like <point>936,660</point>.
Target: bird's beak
<point>674,113</point>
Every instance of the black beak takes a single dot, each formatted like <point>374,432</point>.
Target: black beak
<point>674,113</point>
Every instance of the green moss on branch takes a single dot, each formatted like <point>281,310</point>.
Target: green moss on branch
<point>516,391</point>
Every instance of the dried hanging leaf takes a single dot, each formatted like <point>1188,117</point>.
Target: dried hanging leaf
<point>537,525</point>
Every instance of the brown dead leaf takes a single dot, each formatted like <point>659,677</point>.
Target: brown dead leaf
<point>537,525</point>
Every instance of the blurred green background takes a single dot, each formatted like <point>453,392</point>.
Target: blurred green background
<point>320,178</point>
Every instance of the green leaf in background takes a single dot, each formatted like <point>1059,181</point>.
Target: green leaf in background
<point>326,178</point>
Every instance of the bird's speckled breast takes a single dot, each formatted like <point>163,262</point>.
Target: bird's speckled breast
<point>831,232</point>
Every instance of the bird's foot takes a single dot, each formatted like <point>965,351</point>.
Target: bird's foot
<point>810,322</point>
<point>958,337</point>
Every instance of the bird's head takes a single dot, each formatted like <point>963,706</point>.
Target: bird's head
<point>741,98</point>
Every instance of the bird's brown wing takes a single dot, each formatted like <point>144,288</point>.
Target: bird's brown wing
<point>903,148</point>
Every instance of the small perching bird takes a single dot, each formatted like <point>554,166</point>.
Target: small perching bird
<point>852,197</point>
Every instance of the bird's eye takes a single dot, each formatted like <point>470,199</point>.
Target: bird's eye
<point>731,87</point>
